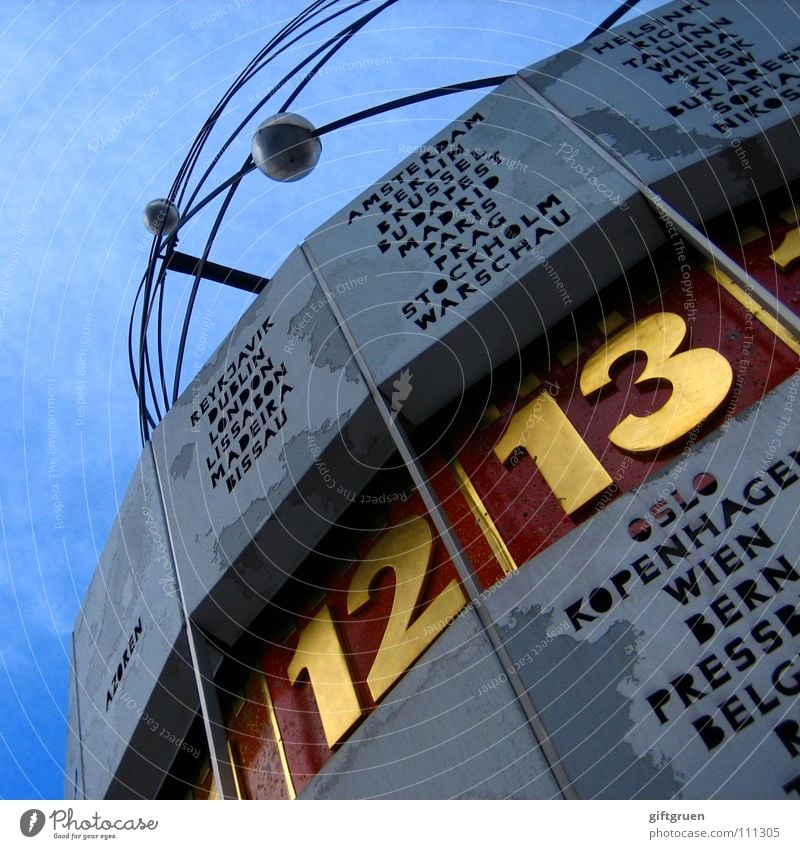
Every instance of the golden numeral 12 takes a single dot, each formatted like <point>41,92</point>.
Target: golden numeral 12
<point>407,550</point>
<point>319,651</point>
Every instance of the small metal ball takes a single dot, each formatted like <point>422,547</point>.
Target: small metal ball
<point>161,216</point>
<point>284,147</point>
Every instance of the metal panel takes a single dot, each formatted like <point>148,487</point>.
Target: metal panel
<point>527,513</point>
<point>700,99</point>
<point>73,765</point>
<point>259,455</point>
<point>764,237</point>
<point>136,691</point>
<point>475,245</point>
<point>452,728</point>
<point>664,654</point>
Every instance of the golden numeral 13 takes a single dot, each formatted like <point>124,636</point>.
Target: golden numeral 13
<point>700,379</point>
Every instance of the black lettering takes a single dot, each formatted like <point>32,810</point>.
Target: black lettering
<point>703,631</point>
<point>576,616</point>
<point>601,600</point>
<point>736,713</point>
<point>763,707</point>
<point>727,559</point>
<point>710,667</point>
<point>792,786</point>
<point>646,569</point>
<point>790,619</point>
<point>725,610</point>
<point>695,531</point>
<point>778,682</point>
<point>677,550</point>
<point>736,650</point>
<point>620,580</point>
<point>684,687</point>
<point>788,733</point>
<point>760,539</point>
<point>781,474</point>
<point>748,590</point>
<point>683,587</point>
<point>657,701</point>
<point>730,508</point>
<point>712,735</point>
<point>425,319</point>
<point>773,575</point>
<point>763,495</point>
<point>765,633</point>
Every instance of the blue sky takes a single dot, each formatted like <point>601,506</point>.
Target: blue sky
<point>100,102</point>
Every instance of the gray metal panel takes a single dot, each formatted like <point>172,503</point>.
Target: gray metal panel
<point>73,766</point>
<point>596,671</point>
<point>136,689</point>
<point>443,235</point>
<point>670,92</point>
<point>451,728</point>
<point>242,522</point>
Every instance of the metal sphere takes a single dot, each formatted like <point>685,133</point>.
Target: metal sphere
<point>161,216</point>
<point>284,147</point>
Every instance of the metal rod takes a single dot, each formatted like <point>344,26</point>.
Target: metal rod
<point>452,543</point>
<point>411,99</point>
<point>210,709</point>
<point>219,751</point>
<point>612,18</point>
<point>243,280</point>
